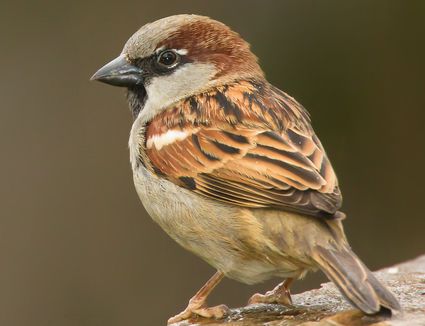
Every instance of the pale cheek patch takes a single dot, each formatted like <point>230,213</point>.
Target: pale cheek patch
<point>165,139</point>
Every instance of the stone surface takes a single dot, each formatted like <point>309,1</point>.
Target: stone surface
<point>326,307</point>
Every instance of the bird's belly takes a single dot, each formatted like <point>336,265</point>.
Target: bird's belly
<point>229,238</point>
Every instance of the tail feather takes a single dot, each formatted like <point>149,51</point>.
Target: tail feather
<point>355,281</point>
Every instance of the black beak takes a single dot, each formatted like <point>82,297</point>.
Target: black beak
<point>119,72</point>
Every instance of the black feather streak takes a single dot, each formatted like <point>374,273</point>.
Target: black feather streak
<point>226,148</point>
<point>229,107</point>
<point>296,156</point>
<point>238,138</point>
<point>274,136</point>
<point>306,175</point>
<point>194,108</point>
<point>189,182</point>
<point>198,146</point>
<point>297,139</point>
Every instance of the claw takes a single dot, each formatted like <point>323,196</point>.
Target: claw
<point>283,299</point>
<point>280,295</point>
<point>216,312</point>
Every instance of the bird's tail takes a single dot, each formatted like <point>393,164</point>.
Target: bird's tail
<point>355,281</point>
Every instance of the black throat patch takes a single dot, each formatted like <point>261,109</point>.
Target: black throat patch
<point>136,98</point>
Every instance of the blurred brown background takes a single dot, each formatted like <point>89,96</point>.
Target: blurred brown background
<point>76,246</point>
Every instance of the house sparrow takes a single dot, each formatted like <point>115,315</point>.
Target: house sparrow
<point>230,167</point>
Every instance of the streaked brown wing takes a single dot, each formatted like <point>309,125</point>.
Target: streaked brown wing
<point>242,160</point>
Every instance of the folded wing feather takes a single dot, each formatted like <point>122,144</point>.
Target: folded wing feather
<point>249,145</point>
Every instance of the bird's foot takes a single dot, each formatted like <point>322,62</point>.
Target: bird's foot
<point>280,295</point>
<point>199,308</point>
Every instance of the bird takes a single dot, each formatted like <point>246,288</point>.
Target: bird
<point>230,167</point>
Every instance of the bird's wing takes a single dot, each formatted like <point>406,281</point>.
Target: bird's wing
<point>245,144</point>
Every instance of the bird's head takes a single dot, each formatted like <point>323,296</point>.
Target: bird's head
<point>176,57</point>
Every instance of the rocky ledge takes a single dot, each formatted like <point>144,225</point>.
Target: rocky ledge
<point>326,307</point>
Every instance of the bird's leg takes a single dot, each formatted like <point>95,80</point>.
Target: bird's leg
<point>280,294</point>
<point>197,305</point>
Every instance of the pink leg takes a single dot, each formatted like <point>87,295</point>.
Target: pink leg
<point>197,305</point>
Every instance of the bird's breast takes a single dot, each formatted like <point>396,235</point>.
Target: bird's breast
<point>231,239</point>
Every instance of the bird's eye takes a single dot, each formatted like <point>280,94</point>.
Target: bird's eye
<point>168,59</point>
